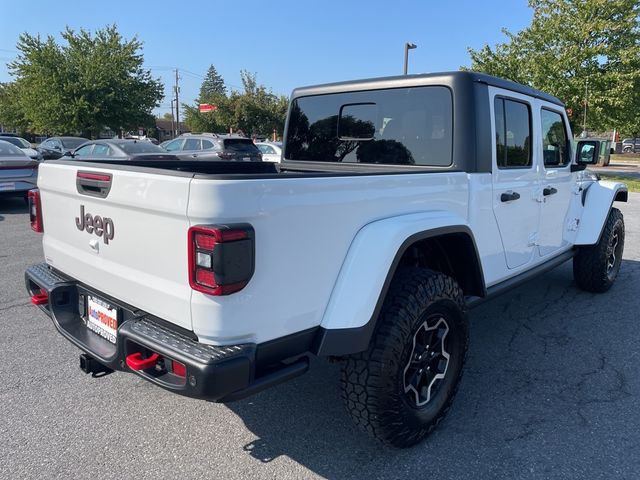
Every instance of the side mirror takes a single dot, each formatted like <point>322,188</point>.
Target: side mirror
<point>587,153</point>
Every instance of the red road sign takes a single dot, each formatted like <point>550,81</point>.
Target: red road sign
<point>206,107</point>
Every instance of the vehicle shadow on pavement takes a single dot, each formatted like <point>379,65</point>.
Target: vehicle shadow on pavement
<point>542,376</point>
<point>12,206</point>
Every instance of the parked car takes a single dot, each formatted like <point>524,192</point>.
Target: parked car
<point>212,146</point>
<point>23,145</point>
<point>56,147</point>
<point>271,151</point>
<point>118,149</point>
<point>18,172</point>
<point>631,145</point>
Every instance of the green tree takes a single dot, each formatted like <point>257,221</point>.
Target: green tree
<point>10,112</point>
<point>88,83</point>
<point>572,43</point>
<point>255,110</point>
<point>212,86</point>
<point>214,92</point>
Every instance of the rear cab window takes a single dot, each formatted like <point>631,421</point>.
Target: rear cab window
<point>398,126</point>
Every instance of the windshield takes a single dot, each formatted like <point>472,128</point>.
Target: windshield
<point>17,141</point>
<point>71,143</point>
<point>240,145</point>
<point>140,147</point>
<point>9,150</point>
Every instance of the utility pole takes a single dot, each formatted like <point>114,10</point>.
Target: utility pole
<point>177,89</point>
<point>586,96</point>
<point>173,121</point>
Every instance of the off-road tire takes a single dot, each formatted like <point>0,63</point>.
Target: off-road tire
<point>373,381</point>
<point>594,267</point>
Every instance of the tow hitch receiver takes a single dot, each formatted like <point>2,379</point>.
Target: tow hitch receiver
<point>88,364</point>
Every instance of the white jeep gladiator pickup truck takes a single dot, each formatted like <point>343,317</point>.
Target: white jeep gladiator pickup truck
<point>399,204</point>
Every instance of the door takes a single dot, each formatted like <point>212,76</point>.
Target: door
<point>515,177</point>
<point>557,181</point>
<point>190,149</point>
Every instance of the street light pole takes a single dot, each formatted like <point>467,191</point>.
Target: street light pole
<point>407,46</point>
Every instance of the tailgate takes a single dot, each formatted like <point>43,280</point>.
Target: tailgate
<point>137,251</point>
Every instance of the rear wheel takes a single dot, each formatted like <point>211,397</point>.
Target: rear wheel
<point>595,267</point>
<point>402,386</point>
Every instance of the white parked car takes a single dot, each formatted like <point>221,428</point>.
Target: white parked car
<point>23,145</point>
<point>271,151</point>
<point>399,204</point>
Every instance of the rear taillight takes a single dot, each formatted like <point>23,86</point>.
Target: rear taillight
<point>35,211</point>
<point>226,155</point>
<point>221,258</point>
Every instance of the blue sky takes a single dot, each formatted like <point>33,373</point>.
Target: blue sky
<point>286,43</point>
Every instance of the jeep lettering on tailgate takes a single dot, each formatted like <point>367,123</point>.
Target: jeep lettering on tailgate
<point>102,227</point>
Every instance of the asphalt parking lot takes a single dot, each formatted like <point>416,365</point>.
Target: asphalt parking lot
<point>551,391</point>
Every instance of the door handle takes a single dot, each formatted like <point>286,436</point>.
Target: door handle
<point>509,196</point>
<point>549,191</point>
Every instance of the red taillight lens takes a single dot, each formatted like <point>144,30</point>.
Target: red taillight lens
<point>205,277</point>
<point>205,241</point>
<point>221,258</point>
<point>35,211</point>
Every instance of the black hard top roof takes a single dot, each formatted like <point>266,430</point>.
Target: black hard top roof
<point>444,78</point>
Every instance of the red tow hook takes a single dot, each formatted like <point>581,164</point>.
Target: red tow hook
<point>41,298</point>
<point>136,362</point>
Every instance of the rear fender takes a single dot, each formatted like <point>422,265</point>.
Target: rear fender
<point>598,199</point>
<point>350,317</point>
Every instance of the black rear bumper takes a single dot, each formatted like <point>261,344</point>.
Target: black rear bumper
<point>215,373</point>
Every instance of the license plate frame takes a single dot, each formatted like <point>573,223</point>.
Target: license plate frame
<point>103,318</point>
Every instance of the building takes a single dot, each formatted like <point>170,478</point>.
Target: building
<point>164,129</point>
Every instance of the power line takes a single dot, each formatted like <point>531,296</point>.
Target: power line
<point>191,73</point>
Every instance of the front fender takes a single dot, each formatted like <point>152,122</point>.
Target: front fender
<point>369,264</point>
<point>599,198</point>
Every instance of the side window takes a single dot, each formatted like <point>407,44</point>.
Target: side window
<point>206,144</point>
<point>174,145</point>
<point>101,150</point>
<point>555,145</point>
<point>57,145</point>
<point>47,144</point>
<point>191,144</point>
<point>266,149</point>
<point>513,133</point>
<point>84,151</point>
